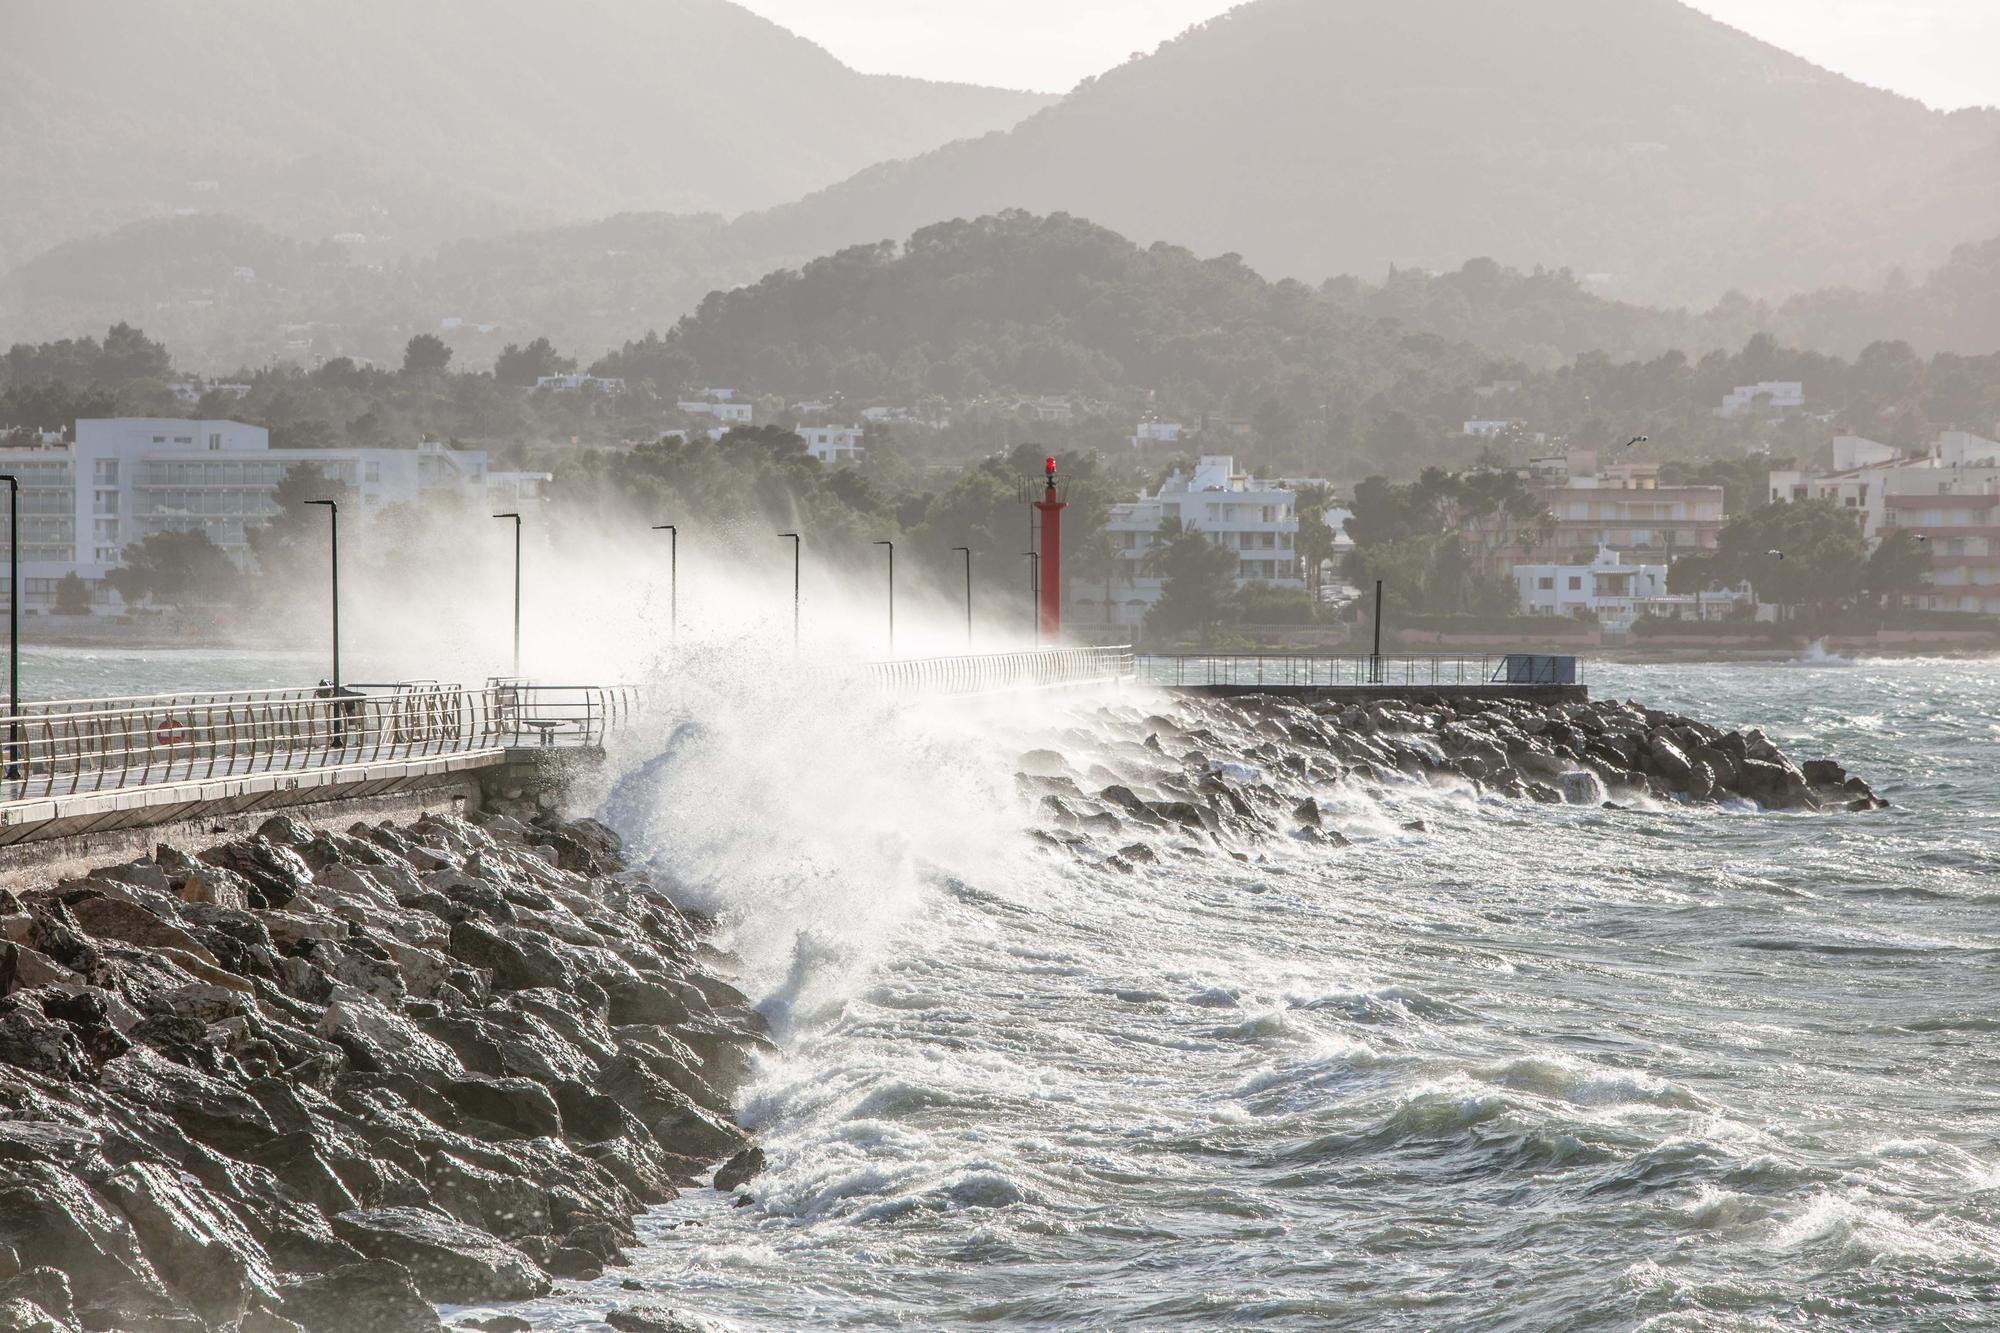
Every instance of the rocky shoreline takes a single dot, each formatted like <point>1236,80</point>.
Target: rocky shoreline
<point>326,1081</point>
<point>1191,774</point>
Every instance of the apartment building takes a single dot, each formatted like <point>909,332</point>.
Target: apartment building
<point>1256,520</point>
<point>125,479</point>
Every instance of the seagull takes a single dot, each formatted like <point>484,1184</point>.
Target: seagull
<point>1638,439</point>
<point>1775,555</point>
<point>1922,538</point>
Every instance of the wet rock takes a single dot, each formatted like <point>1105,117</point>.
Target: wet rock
<point>51,1219</point>
<point>276,875</point>
<point>739,1170</point>
<point>198,1247</point>
<point>451,1262</point>
<point>47,1290</point>
<point>375,1296</point>
<point>653,1319</point>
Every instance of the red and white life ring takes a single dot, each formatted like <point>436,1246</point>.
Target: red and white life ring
<point>171,731</point>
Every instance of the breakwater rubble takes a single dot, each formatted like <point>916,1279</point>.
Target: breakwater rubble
<point>327,1080</point>
<point>1234,771</point>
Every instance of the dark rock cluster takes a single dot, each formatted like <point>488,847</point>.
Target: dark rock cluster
<point>1233,771</point>
<point>319,1080</point>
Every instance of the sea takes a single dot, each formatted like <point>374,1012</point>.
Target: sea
<point>1525,1067</point>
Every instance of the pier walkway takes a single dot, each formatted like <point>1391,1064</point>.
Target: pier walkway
<point>86,766</point>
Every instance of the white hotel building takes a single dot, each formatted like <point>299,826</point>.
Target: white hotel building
<point>1256,520</point>
<point>125,479</point>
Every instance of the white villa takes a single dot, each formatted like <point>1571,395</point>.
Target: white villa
<point>1256,520</point>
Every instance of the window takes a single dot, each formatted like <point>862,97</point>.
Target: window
<point>215,440</point>
<point>105,471</point>
<point>1576,583</point>
<point>1546,583</point>
<point>106,503</point>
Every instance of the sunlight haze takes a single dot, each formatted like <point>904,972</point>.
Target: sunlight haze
<point>1942,52</point>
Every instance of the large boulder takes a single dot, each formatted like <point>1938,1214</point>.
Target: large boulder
<point>196,1245</point>
<point>451,1262</point>
<point>376,1296</point>
<point>276,875</point>
<point>51,1219</point>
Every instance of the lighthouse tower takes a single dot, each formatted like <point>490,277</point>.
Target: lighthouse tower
<point>1051,507</point>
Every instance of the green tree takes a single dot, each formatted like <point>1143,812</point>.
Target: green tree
<point>1898,566</point>
<point>523,366</point>
<point>426,354</point>
<point>1198,585</point>
<point>180,569</point>
<point>1807,553</point>
<point>72,596</point>
<point>1316,536</point>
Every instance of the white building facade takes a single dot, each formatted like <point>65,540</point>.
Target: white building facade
<point>1608,588</point>
<point>126,479</point>
<point>1257,521</point>
<point>1773,395</point>
<point>734,414</point>
<point>834,444</point>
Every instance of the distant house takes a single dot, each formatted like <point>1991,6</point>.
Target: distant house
<point>1775,395</point>
<point>1608,588</point>
<point>1157,432</point>
<point>736,414</point>
<point>1491,430</point>
<point>574,383</point>
<point>834,444</point>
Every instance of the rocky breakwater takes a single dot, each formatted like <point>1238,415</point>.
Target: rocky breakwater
<point>321,1080</point>
<point>1231,772</point>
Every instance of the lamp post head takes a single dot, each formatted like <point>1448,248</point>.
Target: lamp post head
<point>666,527</point>
<point>515,517</point>
<point>330,504</point>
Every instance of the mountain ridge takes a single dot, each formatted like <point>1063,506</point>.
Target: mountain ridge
<point>1501,133</point>
<point>415,123</point>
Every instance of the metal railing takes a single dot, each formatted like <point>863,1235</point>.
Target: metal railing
<point>1310,671</point>
<point>99,745</point>
<point>988,672</point>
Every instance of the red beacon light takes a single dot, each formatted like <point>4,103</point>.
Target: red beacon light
<point>1050,468</point>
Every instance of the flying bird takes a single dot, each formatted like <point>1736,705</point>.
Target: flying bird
<point>1638,439</point>
<point>1922,538</point>
<point>1775,555</point>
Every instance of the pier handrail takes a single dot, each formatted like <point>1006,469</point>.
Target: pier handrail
<point>988,672</point>
<point>1323,671</point>
<point>90,746</point>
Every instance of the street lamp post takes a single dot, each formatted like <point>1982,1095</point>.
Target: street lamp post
<point>13,621</point>
<point>333,536</point>
<point>892,595</point>
<point>967,551</point>
<point>673,578</point>
<point>795,589</point>
<point>1035,591</point>
<point>517,591</point>
<point>1375,662</point>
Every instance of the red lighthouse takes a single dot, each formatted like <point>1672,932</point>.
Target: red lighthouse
<point>1051,508</point>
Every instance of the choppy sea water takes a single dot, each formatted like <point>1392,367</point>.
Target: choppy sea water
<point>1538,1067</point>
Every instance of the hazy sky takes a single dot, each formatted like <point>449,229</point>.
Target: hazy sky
<point>1946,52</point>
